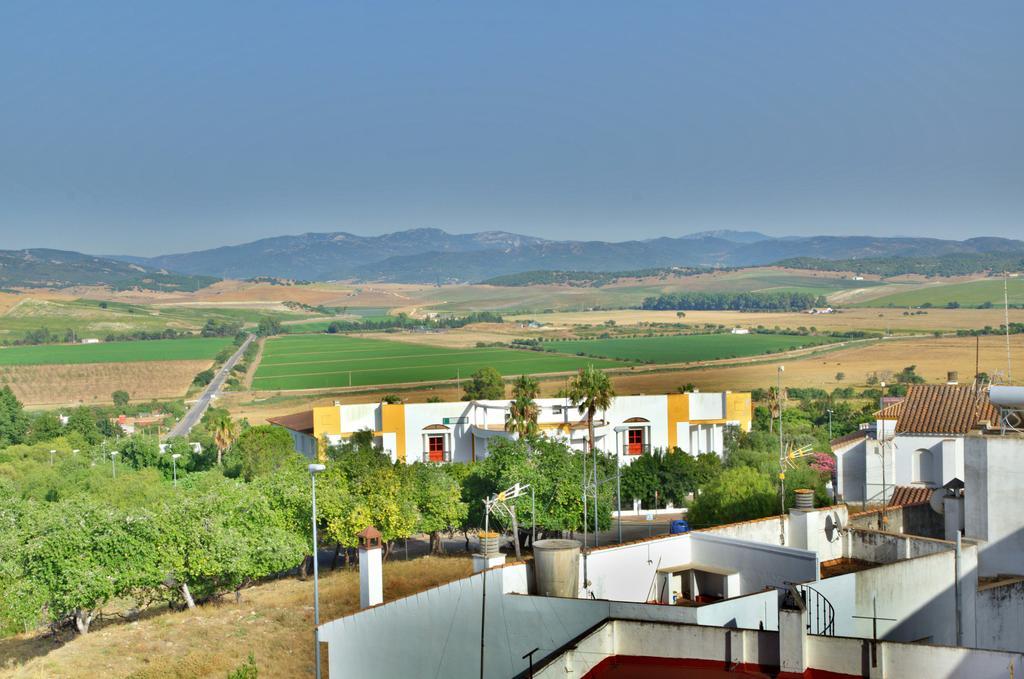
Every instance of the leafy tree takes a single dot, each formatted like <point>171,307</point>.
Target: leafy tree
<point>83,421</point>
<point>484,384</point>
<point>268,327</point>
<point>392,399</point>
<point>739,494</point>
<point>139,451</point>
<point>439,499</point>
<point>221,534</point>
<point>120,399</point>
<point>83,554</point>
<point>44,427</point>
<point>591,390</point>
<point>840,376</point>
<point>13,421</point>
<point>204,377</point>
<point>523,411</point>
<point>260,450</point>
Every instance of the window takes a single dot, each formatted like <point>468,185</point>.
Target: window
<point>435,447</point>
<point>921,471</point>
<point>634,441</point>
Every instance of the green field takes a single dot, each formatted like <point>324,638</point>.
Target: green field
<point>970,294</point>
<point>319,361</point>
<point>687,348</point>
<point>87,318</point>
<point>187,349</point>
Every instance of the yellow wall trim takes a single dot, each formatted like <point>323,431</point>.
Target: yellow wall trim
<point>392,419</point>
<point>678,411</point>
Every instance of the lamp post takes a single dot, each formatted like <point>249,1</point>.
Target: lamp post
<point>52,452</point>
<point>829,424</point>
<point>113,466</point>
<point>315,469</point>
<point>174,465</point>
<point>782,461</point>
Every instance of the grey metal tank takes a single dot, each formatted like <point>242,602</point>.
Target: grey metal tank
<point>556,566</point>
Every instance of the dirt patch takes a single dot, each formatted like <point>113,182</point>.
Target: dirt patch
<point>251,372</point>
<point>92,383</point>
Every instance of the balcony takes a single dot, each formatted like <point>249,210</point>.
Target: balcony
<point>636,448</point>
<point>437,455</point>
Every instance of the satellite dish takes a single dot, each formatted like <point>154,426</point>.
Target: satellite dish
<point>936,500</point>
<point>833,527</point>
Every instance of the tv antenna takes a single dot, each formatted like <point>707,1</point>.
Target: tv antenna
<point>1006,324</point>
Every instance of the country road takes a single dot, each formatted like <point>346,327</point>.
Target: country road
<point>195,413</point>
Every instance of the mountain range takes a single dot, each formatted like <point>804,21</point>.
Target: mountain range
<point>433,255</point>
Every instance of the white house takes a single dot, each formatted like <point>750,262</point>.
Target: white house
<point>920,439</point>
<point>461,431</point>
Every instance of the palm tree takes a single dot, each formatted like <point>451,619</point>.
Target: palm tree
<point>523,411</point>
<point>225,431</point>
<point>591,390</point>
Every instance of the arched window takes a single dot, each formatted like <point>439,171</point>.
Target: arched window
<point>921,470</point>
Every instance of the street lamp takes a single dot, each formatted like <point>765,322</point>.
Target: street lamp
<point>315,469</point>
<point>829,424</point>
<point>782,457</point>
<point>174,465</point>
<point>51,457</point>
<point>113,467</point>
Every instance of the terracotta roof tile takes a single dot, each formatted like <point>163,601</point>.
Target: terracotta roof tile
<point>890,412</point>
<point>851,437</point>
<point>944,409</point>
<point>300,422</point>
<point>903,496</point>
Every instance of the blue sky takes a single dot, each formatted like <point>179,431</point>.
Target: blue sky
<point>147,128</point>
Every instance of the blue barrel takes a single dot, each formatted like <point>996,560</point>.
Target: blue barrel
<point>679,526</point>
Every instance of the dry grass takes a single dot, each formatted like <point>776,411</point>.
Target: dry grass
<point>850,319</point>
<point>91,383</point>
<point>273,621</point>
<point>933,358</point>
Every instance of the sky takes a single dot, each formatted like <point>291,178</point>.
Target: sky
<point>149,128</point>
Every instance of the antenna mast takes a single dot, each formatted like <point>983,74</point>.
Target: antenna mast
<point>1006,320</point>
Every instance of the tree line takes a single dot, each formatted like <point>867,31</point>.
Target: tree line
<point>735,301</point>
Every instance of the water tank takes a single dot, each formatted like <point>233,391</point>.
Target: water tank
<point>556,565</point>
<point>1011,398</point>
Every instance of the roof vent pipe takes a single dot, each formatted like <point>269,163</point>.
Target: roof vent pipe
<point>951,377</point>
<point>804,499</point>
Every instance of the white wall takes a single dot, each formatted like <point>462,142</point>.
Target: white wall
<point>629,572</point>
<point>760,565</point>
<point>994,502</point>
<point>918,593</point>
<point>1000,617</point>
<point>439,631</point>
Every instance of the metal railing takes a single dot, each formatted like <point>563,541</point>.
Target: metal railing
<point>636,448</point>
<point>821,615</point>
<point>446,456</point>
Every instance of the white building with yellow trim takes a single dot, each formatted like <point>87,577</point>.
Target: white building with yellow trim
<point>461,431</point>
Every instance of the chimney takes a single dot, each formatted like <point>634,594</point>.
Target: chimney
<point>951,377</point>
<point>371,578</point>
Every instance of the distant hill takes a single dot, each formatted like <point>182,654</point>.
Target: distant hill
<point>43,268</point>
<point>433,255</point>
